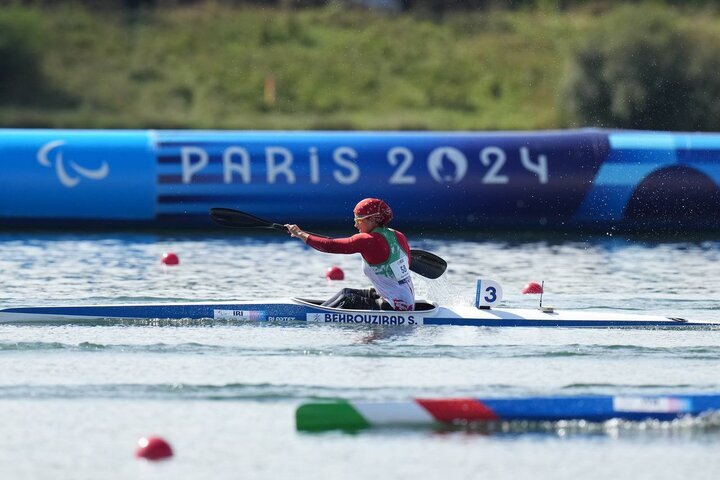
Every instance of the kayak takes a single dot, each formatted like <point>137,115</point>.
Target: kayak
<point>292,310</point>
<point>354,415</point>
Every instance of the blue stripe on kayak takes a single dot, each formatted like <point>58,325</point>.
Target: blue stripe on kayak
<point>602,408</point>
<point>151,311</point>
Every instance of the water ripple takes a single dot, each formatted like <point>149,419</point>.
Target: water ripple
<point>384,350</point>
<point>272,392</point>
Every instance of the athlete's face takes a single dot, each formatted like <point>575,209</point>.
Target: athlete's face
<point>365,224</point>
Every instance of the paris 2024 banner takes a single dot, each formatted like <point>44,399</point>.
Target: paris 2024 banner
<point>465,181</point>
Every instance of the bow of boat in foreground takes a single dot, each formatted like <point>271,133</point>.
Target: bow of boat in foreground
<point>466,412</point>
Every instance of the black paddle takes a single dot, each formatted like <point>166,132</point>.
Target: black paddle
<point>423,263</point>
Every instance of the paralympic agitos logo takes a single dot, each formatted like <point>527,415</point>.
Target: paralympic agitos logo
<point>69,175</point>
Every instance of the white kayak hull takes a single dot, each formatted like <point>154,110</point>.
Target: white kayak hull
<point>298,310</point>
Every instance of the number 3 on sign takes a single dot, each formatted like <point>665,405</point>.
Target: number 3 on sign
<point>488,293</point>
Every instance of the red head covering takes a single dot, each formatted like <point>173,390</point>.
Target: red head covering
<point>373,207</point>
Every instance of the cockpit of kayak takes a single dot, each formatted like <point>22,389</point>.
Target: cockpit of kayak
<point>420,305</point>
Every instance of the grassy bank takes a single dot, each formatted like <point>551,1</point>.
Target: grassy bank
<point>206,67</point>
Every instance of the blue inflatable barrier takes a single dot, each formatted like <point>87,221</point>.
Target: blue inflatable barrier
<point>58,174</point>
<point>590,179</point>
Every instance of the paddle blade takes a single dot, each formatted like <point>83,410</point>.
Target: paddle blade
<point>234,218</point>
<point>427,264</point>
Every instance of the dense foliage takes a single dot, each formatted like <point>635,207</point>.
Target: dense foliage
<point>640,70</point>
<point>20,56</point>
<point>216,65</point>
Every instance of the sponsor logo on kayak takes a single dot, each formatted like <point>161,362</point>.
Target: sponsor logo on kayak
<point>253,315</point>
<point>363,318</point>
<point>652,404</point>
<point>281,319</point>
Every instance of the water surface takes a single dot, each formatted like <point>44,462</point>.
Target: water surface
<point>75,398</point>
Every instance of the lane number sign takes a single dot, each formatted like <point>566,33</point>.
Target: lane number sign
<point>488,293</point>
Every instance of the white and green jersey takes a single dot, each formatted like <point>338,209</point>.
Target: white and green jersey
<point>391,278</point>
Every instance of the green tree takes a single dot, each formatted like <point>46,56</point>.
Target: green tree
<point>20,55</point>
<point>639,70</point>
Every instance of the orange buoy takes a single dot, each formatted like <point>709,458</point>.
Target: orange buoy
<point>170,258</point>
<point>532,288</point>
<point>153,448</point>
<point>335,273</point>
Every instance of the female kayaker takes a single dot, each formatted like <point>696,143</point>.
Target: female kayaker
<point>386,259</point>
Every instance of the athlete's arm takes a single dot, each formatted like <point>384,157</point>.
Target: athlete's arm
<point>372,246</point>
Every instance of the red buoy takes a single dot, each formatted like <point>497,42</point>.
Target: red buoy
<point>170,258</point>
<point>335,273</point>
<point>153,448</point>
<point>532,288</point>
